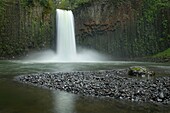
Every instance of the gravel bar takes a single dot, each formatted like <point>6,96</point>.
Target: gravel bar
<point>109,83</point>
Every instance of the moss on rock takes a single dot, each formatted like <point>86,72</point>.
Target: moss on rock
<point>140,71</point>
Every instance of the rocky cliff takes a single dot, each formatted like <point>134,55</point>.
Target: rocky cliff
<point>24,28</point>
<point>119,29</point>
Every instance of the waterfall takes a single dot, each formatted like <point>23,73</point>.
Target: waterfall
<point>65,45</point>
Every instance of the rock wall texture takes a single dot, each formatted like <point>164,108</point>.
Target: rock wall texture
<point>117,28</point>
<point>24,29</point>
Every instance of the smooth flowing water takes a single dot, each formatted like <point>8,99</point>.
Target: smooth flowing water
<point>22,98</point>
<point>66,44</point>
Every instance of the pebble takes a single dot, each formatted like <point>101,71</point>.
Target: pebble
<point>111,83</point>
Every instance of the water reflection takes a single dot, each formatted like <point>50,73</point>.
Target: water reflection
<point>63,102</point>
<point>18,98</point>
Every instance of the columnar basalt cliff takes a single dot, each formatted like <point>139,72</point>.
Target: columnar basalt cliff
<point>24,28</point>
<point>119,28</point>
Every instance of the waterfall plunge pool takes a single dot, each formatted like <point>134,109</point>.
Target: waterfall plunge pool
<point>21,98</point>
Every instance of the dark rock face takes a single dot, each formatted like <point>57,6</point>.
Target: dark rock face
<point>115,27</point>
<point>103,25</point>
<point>101,16</point>
<point>113,83</point>
<point>24,29</point>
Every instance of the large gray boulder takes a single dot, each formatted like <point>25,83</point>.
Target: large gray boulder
<point>140,71</point>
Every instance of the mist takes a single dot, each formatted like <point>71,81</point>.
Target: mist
<point>50,56</point>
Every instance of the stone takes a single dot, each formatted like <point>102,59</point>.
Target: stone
<point>139,71</point>
<point>110,83</point>
<point>161,95</point>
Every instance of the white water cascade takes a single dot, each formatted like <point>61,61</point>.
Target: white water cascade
<point>65,44</point>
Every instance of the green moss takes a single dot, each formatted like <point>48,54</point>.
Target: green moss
<point>48,5</point>
<point>165,53</point>
<point>2,4</point>
<point>152,7</point>
<point>71,4</point>
<point>138,68</point>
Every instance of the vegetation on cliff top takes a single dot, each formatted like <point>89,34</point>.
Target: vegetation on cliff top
<point>71,4</point>
<point>152,7</point>
<point>49,5</point>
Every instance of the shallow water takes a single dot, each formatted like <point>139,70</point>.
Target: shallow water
<point>21,98</point>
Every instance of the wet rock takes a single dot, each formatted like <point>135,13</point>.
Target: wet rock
<point>110,83</point>
<point>161,95</point>
<point>140,71</point>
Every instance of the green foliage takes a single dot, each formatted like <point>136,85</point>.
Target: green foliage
<point>2,12</point>
<point>76,3</point>
<point>28,3</point>
<point>72,4</point>
<point>2,4</point>
<point>64,4</point>
<point>48,5</point>
<point>154,18</point>
<point>152,7</point>
<point>118,2</point>
<point>165,53</point>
